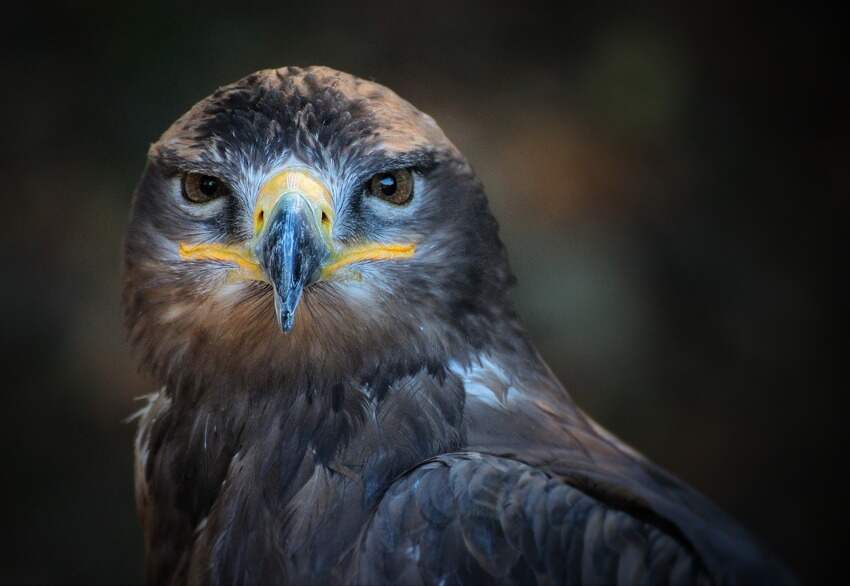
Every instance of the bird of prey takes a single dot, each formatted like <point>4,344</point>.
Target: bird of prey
<point>313,275</point>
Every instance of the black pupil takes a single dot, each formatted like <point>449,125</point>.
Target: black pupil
<point>388,185</point>
<point>208,185</point>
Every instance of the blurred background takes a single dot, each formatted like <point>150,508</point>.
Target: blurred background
<point>668,183</point>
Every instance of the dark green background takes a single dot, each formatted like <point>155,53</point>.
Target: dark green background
<point>667,181</point>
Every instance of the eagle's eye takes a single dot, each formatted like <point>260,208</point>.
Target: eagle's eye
<point>199,188</point>
<point>394,186</point>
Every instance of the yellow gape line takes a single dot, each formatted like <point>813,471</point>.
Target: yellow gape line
<point>238,255</point>
<point>374,251</point>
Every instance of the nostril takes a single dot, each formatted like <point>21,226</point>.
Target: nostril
<point>325,218</point>
<point>261,219</point>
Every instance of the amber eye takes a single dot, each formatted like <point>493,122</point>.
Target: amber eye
<point>199,188</point>
<point>395,186</point>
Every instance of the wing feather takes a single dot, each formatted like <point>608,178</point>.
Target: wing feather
<point>478,518</point>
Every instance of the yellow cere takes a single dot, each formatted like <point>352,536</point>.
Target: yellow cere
<point>293,181</point>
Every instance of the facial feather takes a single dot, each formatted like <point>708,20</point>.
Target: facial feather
<point>191,324</point>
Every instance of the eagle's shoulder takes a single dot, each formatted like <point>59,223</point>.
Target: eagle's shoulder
<point>169,523</point>
<point>474,518</point>
<point>156,404</point>
<point>520,412</point>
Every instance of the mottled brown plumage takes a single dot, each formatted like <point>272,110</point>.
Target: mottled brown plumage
<point>405,430</point>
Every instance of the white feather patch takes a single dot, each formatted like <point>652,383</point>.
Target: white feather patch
<point>485,380</point>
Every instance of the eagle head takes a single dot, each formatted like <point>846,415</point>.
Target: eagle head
<point>302,224</point>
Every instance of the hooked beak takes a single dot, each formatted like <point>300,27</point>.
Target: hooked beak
<point>291,253</point>
<point>293,244</point>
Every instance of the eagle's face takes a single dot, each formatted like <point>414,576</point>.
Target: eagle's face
<point>305,223</point>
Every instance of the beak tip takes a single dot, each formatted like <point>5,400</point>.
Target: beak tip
<point>291,252</point>
<point>287,321</point>
<point>285,315</point>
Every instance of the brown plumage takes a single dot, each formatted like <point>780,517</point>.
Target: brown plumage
<point>348,396</point>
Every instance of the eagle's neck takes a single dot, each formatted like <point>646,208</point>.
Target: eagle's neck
<point>294,461</point>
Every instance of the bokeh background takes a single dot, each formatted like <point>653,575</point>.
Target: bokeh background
<point>669,183</point>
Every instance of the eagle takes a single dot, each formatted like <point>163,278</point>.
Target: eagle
<point>314,277</point>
